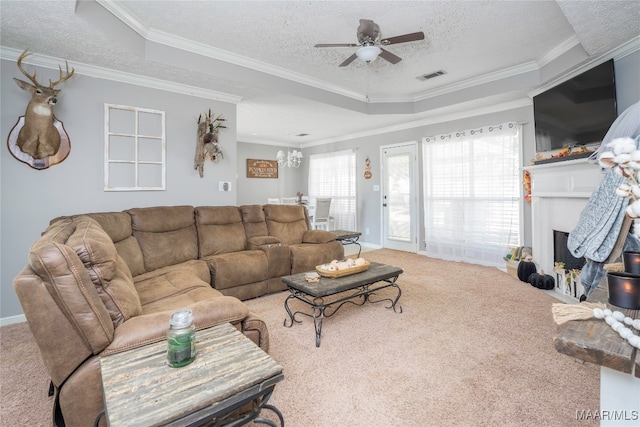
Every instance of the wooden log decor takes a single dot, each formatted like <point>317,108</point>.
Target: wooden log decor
<point>262,168</point>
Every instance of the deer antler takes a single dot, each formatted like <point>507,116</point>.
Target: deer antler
<point>29,76</point>
<point>62,78</point>
<point>33,79</point>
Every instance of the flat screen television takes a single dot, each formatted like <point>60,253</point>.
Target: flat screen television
<point>576,112</point>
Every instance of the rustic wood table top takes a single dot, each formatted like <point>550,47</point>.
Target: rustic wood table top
<point>141,389</point>
<point>594,341</point>
<point>377,272</point>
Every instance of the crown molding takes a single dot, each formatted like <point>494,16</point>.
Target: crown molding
<point>160,37</point>
<point>616,54</point>
<point>123,15</point>
<point>198,48</point>
<point>532,66</point>
<point>524,102</point>
<point>558,51</point>
<point>120,76</point>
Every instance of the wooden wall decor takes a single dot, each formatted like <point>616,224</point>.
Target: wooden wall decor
<point>207,144</point>
<point>367,169</point>
<point>38,138</point>
<point>262,168</point>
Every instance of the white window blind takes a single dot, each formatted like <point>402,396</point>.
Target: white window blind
<point>334,175</point>
<point>472,194</point>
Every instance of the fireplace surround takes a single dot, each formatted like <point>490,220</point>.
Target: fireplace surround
<point>559,193</point>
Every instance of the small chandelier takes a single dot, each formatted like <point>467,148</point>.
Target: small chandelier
<point>293,160</point>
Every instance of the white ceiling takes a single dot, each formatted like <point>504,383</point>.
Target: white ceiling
<point>260,54</point>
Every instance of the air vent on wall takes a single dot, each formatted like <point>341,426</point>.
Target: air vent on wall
<point>431,75</point>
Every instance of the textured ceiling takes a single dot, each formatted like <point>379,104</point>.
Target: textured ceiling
<point>262,53</point>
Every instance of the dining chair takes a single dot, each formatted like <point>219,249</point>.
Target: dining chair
<point>321,217</point>
<point>289,200</point>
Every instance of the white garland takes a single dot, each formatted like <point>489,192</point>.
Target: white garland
<point>619,322</point>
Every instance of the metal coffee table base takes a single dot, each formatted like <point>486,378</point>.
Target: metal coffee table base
<point>356,296</point>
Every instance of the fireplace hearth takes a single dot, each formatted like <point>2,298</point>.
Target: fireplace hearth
<point>559,193</point>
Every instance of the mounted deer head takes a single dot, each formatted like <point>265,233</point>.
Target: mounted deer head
<point>39,137</point>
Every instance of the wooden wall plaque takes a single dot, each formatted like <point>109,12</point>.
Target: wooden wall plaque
<point>262,168</point>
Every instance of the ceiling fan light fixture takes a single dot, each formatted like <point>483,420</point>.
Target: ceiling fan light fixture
<point>368,53</point>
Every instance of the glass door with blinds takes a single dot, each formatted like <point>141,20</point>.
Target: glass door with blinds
<point>399,202</point>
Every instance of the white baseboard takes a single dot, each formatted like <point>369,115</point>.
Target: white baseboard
<point>12,319</point>
<point>370,246</point>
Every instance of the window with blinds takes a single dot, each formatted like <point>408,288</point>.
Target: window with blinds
<point>472,194</point>
<point>334,175</point>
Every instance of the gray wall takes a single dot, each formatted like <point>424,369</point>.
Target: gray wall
<point>257,190</point>
<point>30,198</point>
<point>369,204</point>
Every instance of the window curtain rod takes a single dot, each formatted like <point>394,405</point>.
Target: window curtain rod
<point>468,132</point>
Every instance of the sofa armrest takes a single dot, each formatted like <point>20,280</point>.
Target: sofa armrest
<point>318,236</point>
<point>258,242</point>
<point>149,328</point>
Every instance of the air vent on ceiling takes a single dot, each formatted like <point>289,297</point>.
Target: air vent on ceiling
<point>431,75</point>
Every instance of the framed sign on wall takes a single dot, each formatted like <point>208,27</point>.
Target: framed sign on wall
<point>262,168</point>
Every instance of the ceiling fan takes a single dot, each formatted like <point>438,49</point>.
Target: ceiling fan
<point>369,40</point>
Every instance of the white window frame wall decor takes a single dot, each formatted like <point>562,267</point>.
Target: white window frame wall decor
<point>141,145</point>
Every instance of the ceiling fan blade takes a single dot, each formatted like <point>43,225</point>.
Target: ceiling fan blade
<point>412,37</point>
<point>367,28</point>
<point>348,61</point>
<point>336,45</point>
<point>394,59</point>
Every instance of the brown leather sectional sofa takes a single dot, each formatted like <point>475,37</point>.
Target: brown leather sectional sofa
<point>101,283</point>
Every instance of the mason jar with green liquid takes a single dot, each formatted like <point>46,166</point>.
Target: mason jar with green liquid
<point>181,338</point>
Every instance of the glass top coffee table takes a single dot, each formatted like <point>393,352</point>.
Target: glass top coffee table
<point>326,296</point>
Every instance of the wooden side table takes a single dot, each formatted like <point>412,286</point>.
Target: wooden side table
<point>141,389</point>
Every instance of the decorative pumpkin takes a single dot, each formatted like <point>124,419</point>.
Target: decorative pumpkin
<point>525,269</point>
<point>542,281</point>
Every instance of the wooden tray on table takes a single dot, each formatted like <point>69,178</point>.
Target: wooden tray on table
<point>340,273</point>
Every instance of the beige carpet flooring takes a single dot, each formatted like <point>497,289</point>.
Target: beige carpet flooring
<point>473,347</point>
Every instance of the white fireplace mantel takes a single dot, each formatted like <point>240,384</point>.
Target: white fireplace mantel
<point>559,193</point>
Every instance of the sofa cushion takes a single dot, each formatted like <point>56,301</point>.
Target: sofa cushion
<point>173,290</point>
<point>254,221</point>
<point>166,235</point>
<point>259,242</point>
<point>287,223</point>
<point>107,270</point>
<point>220,230</point>
<point>238,268</point>
<point>118,226</point>
<point>70,286</point>
<point>305,256</point>
<point>318,236</point>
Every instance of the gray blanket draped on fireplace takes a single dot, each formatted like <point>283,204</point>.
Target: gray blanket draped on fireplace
<point>601,220</point>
